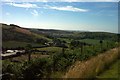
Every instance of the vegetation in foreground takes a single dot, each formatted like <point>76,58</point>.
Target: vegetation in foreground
<point>49,67</point>
<point>66,49</point>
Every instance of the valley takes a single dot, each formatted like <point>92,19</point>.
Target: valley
<point>52,53</point>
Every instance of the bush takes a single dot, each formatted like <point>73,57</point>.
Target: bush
<point>39,68</point>
<point>11,70</point>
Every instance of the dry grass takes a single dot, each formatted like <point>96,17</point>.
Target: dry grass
<point>93,66</point>
<point>21,30</point>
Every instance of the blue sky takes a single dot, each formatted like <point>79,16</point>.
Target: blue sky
<point>88,16</point>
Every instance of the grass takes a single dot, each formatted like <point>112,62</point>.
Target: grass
<point>14,44</point>
<point>57,74</point>
<point>24,57</point>
<point>92,41</point>
<point>112,72</point>
<point>50,49</point>
<point>66,39</point>
<point>93,66</point>
<point>41,36</point>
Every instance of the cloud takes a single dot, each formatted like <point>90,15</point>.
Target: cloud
<point>60,0</point>
<point>34,13</point>
<point>31,5</point>
<point>23,5</point>
<point>68,8</point>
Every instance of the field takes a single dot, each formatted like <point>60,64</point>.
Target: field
<point>92,41</point>
<point>24,58</point>
<point>50,49</point>
<point>15,44</point>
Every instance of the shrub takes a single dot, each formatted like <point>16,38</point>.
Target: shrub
<point>11,70</point>
<point>39,68</point>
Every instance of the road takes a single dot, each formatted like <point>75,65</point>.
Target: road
<point>8,54</point>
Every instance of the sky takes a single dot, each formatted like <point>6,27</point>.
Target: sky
<point>87,16</point>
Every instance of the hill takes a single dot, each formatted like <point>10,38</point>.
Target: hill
<point>76,35</point>
<point>12,32</point>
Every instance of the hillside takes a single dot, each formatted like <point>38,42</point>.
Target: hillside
<point>92,67</point>
<point>13,33</point>
<point>75,34</point>
<point>63,53</point>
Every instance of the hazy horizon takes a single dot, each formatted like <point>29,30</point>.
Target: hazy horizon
<point>80,16</point>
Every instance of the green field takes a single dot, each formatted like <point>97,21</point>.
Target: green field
<point>92,41</point>
<point>112,72</point>
<point>15,44</point>
<point>51,49</point>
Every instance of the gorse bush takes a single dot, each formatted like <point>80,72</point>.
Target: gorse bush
<point>11,70</point>
<point>62,61</point>
<point>38,68</point>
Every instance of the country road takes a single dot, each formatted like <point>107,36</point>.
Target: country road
<point>8,54</point>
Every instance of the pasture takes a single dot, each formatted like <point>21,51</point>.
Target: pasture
<point>15,44</point>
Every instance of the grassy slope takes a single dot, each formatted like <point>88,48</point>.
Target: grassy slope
<point>93,66</point>
<point>20,32</point>
<point>41,36</point>
<point>112,72</point>
<point>50,49</point>
<point>14,44</point>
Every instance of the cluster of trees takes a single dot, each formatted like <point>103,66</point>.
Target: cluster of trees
<point>41,41</point>
<point>59,43</point>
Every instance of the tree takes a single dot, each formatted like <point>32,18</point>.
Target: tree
<point>28,50</point>
<point>74,43</point>
<point>101,42</point>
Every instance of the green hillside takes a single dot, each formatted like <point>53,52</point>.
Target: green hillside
<point>15,36</point>
<point>13,33</point>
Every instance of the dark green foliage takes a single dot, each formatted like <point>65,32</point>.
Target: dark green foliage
<point>35,69</point>
<point>11,71</point>
<point>39,68</point>
<point>41,41</point>
<point>62,61</point>
<point>29,51</point>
